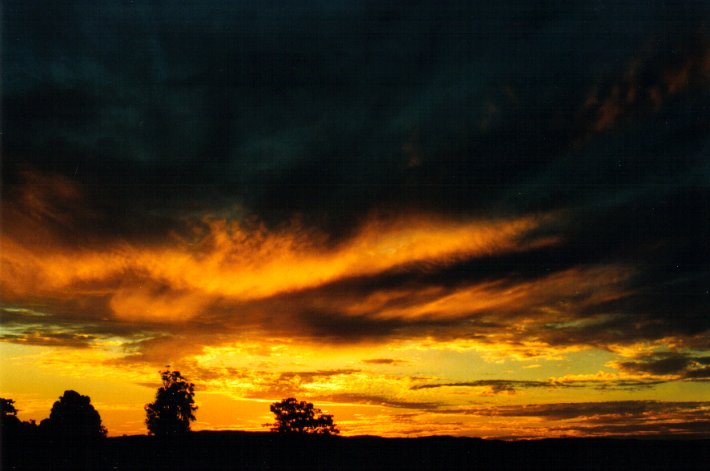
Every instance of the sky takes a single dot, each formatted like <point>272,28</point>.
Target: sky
<point>480,218</point>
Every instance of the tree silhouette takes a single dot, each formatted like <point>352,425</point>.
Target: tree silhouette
<point>11,428</point>
<point>172,411</point>
<point>74,418</point>
<point>9,422</point>
<point>293,416</point>
<point>7,407</point>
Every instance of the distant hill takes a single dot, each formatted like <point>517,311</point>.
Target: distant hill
<point>269,451</point>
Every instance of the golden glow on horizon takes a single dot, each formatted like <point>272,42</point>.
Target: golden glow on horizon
<point>236,384</point>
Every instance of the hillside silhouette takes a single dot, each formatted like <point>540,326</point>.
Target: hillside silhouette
<point>274,451</point>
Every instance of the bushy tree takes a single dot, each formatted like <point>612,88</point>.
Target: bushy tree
<point>7,407</point>
<point>74,418</point>
<point>293,416</point>
<point>8,416</point>
<point>174,406</point>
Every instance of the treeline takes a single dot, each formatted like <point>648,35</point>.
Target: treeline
<point>71,418</point>
<point>303,438</point>
<point>74,418</point>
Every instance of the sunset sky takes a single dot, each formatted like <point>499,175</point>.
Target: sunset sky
<point>427,217</point>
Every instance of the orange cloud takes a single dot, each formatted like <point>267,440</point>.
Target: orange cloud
<point>243,264</point>
<point>155,304</point>
<point>176,280</point>
<point>520,299</point>
<point>630,96</point>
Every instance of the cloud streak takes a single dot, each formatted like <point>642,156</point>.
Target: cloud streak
<point>227,260</point>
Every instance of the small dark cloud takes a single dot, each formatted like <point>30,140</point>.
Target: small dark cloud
<point>623,418</point>
<point>622,384</point>
<point>669,363</point>
<point>337,327</point>
<point>669,429</point>
<point>496,385</point>
<point>659,366</point>
<point>699,373</point>
<point>587,410</point>
<point>383,401</point>
<point>50,339</point>
<point>510,386</point>
<point>384,361</point>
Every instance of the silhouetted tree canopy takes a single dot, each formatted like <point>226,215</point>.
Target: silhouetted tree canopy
<point>8,416</point>
<point>74,418</point>
<point>11,427</point>
<point>293,416</point>
<point>174,406</point>
<point>7,407</point>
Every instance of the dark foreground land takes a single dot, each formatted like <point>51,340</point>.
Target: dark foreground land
<point>266,451</point>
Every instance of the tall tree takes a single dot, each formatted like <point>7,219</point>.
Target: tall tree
<point>293,416</point>
<point>74,418</point>
<point>174,406</point>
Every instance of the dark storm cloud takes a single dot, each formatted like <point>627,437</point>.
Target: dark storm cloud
<point>160,113</point>
<point>328,110</point>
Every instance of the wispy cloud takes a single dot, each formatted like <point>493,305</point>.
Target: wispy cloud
<point>509,386</point>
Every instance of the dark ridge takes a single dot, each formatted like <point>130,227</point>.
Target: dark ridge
<point>271,451</point>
